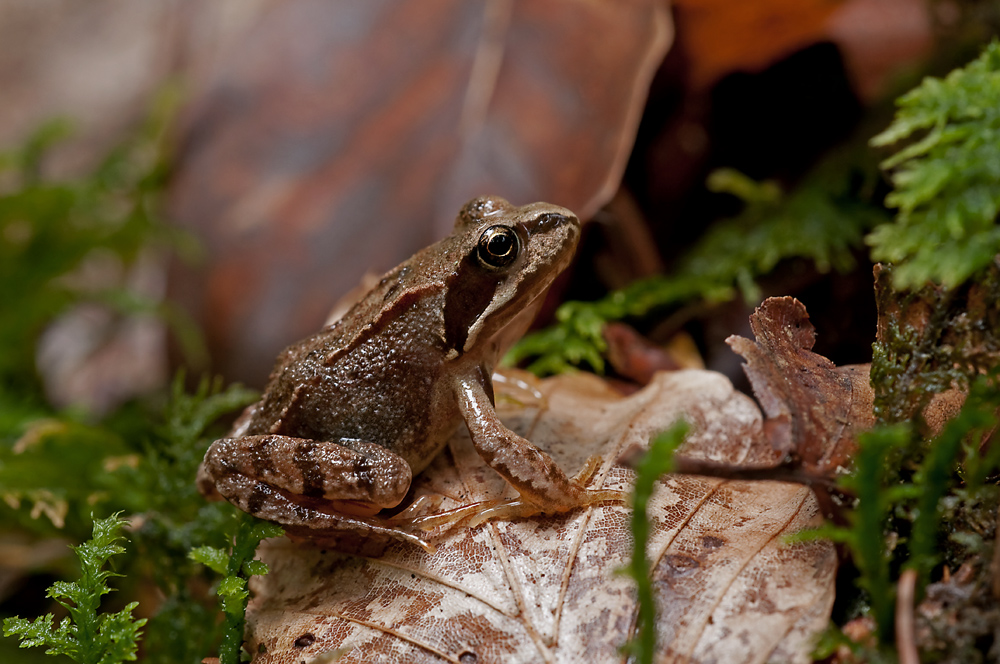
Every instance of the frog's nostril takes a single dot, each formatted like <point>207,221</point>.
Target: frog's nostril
<point>550,221</point>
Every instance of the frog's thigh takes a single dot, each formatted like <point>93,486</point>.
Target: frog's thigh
<point>364,472</point>
<point>536,475</point>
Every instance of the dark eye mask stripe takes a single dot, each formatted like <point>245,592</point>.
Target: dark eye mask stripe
<point>470,291</point>
<point>471,288</point>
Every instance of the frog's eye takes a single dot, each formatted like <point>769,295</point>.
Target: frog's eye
<point>498,247</point>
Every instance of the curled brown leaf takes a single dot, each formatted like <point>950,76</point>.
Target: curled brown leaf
<point>815,409</point>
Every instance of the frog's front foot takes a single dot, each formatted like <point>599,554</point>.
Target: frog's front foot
<point>580,497</point>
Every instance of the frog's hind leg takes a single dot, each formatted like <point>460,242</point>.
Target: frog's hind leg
<point>312,488</point>
<point>358,477</point>
<point>311,522</point>
<point>515,508</point>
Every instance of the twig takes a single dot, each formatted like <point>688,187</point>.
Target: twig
<point>995,563</point>
<point>906,643</point>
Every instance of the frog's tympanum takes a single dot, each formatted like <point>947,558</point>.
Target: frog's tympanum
<point>352,413</point>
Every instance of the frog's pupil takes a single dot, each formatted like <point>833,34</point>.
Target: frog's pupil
<point>498,246</point>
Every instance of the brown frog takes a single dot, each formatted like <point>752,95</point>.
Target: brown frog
<point>352,413</point>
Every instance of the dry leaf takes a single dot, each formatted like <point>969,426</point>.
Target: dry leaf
<point>633,356</point>
<point>340,137</point>
<point>877,38</point>
<point>546,589</point>
<point>721,37</point>
<point>815,409</point>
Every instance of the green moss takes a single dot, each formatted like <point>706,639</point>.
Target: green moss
<point>953,459</point>
<point>237,567</point>
<point>876,487</point>
<point>932,493</point>
<point>58,467</point>
<point>86,635</point>
<point>945,177</point>
<point>931,340</point>
<point>49,229</point>
<point>822,221</point>
<point>658,461</point>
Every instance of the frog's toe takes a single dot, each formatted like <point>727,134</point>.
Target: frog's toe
<point>588,470</point>
<point>476,514</point>
<point>519,508</point>
<point>449,518</point>
<point>309,520</point>
<point>511,509</point>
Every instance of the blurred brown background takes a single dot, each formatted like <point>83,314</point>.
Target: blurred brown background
<point>319,141</point>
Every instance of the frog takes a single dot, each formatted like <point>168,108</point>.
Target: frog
<point>351,414</point>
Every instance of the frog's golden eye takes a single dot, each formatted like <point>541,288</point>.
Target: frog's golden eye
<point>498,247</point>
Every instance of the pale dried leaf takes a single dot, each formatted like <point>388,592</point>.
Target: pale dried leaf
<point>546,589</point>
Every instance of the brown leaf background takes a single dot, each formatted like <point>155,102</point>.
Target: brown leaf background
<point>341,137</point>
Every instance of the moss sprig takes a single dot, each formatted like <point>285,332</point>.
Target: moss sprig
<point>656,462</point>
<point>86,636</point>
<point>945,177</point>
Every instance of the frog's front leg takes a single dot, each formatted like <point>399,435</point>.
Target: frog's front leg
<point>308,485</point>
<point>542,484</point>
